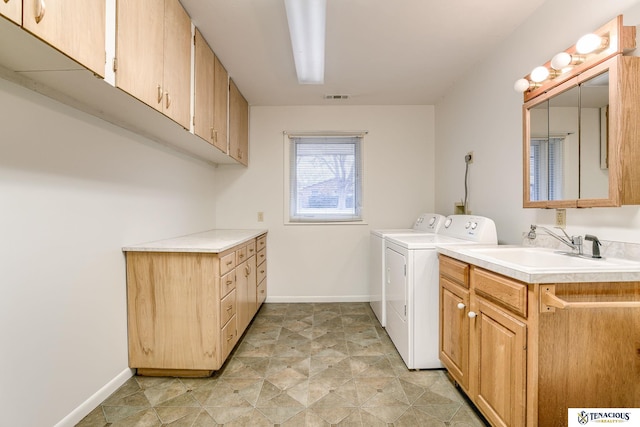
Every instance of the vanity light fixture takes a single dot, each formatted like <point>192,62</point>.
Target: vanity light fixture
<point>591,49</point>
<point>590,43</point>
<point>307,23</point>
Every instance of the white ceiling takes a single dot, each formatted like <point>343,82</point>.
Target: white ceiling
<point>380,52</point>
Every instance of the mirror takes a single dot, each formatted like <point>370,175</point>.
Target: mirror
<point>567,143</point>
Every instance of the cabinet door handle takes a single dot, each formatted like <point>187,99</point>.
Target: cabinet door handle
<point>247,270</point>
<point>241,256</point>
<point>230,337</point>
<point>461,306</point>
<point>159,94</point>
<point>471,314</point>
<point>6,1</point>
<point>261,271</point>
<point>40,11</point>
<point>167,100</point>
<point>230,308</point>
<point>229,282</point>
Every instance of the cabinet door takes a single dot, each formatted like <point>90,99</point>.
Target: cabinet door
<point>12,10</point>
<point>139,46</point>
<point>454,330</point>
<point>498,370</point>
<point>177,63</point>
<point>221,106</point>
<point>238,125</point>
<point>75,27</point>
<point>204,90</point>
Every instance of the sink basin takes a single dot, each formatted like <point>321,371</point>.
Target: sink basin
<point>543,259</point>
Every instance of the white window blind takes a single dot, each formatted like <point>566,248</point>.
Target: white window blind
<point>546,170</point>
<point>325,178</point>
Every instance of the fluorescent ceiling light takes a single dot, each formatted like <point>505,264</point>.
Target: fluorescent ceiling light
<point>307,19</point>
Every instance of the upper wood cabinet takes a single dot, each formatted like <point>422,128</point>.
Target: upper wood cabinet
<point>74,27</point>
<point>211,96</point>
<point>12,10</point>
<point>153,55</point>
<point>238,125</point>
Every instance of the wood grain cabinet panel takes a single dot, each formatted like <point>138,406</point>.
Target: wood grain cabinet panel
<point>74,27</point>
<point>153,54</point>
<point>220,106</point>
<point>12,10</point>
<point>238,125</point>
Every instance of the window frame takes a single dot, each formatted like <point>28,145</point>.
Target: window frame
<point>291,216</point>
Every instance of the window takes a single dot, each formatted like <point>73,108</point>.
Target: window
<point>546,168</point>
<point>325,178</point>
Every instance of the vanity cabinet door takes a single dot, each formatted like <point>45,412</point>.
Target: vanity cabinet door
<point>498,364</point>
<point>454,330</point>
<point>12,10</point>
<point>74,27</point>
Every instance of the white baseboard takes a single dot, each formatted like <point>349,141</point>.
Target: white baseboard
<point>95,400</point>
<point>318,299</point>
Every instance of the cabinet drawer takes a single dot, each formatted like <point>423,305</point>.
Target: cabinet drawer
<point>507,292</point>
<point>227,283</point>
<point>228,307</point>
<point>262,272</point>
<point>262,292</point>
<point>227,263</point>
<point>262,256</point>
<point>229,337</point>
<point>455,270</point>
<point>241,255</point>
<point>261,242</point>
<point>251,249</point>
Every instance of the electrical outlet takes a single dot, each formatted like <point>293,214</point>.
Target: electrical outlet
<point>469,157</point>
<point>260,216</point>
<point>561,218</point>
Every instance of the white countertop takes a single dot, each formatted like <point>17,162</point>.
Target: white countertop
<point>211,241</point>
<point>604,273</point>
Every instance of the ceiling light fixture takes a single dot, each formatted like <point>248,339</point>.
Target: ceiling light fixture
<point>307,23</point>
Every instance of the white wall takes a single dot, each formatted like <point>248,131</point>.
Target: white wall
<point>330,262</point>
<point>484,114</point>
<point>73,191</point>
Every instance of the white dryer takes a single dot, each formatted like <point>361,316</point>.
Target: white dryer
<point>412,285</point>
<point>427,223</point>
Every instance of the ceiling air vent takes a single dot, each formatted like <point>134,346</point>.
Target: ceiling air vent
<point>336,96</point>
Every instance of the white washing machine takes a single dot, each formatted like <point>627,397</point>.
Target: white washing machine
<point>427,223</point>
<point>412,285</point>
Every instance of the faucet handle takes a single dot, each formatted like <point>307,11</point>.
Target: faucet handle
<point>595,249</point>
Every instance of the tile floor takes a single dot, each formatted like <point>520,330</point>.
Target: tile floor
<point>297,365</point>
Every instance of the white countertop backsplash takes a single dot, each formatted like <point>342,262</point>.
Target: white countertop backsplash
<point>211,241</point>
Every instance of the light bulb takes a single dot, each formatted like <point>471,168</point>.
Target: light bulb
<point>522,85</point>
<point>590,42</point>
<point>539,74</point>
<point>560,61</point>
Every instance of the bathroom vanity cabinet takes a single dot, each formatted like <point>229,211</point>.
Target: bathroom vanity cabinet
<point>522,359</point>
<point>190,299</point>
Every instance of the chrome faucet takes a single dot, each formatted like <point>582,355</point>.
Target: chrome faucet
<point>574,242</point>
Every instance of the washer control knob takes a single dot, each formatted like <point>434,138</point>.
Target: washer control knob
<point>432,221</point>
<point>448,222</point>
<point>461,306</point>
<point>471,314</point>
<point>468,224</point>
<point>474,225</point>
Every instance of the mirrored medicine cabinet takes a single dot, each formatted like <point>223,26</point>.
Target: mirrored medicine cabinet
<point>581,135</point>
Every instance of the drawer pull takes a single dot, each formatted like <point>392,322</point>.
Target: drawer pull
<point>42,8</point>
<point>241,255</point>
<point>261,271</point>
<point>229,282</point>
<point>230,337</point>
<point>261,255</point>
<point>461,306</point>
<point>229,262</point>
<point>262,291</point>
<point>230,308</point>
<point>251,249</point>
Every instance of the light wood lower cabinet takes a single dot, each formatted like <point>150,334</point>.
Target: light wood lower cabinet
<point>186,310</point>
<point>524,362</point>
